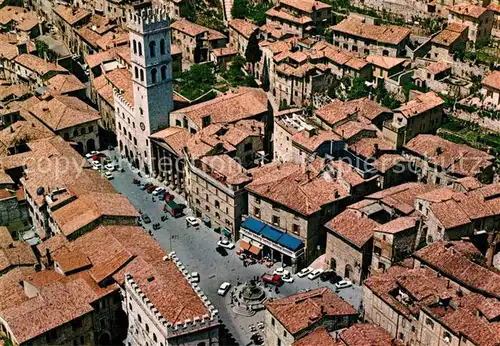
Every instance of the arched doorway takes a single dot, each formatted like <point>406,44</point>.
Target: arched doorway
<point>104,339</point>
<point>79,148</point>
<point>333,264</point>
<point>90,145</point>
<point>348,271</point>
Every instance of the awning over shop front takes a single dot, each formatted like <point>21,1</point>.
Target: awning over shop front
<point>290,242</point>
<point>250,247</point>
<point>271,233</point>
<point>253,225</point>
<point>244,245</point>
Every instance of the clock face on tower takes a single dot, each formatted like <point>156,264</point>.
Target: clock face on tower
<point>143,127</point>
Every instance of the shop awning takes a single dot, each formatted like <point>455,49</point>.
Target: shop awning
<point>271,233</point>
<point>226,232</point>
<point>290,242</point>
<point>244,245</point>
<point>254,249</point>
<point>253,225</point>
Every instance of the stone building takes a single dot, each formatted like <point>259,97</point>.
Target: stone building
<point>289,319</point>
<point>32,70</point>
<point>423,114</point>
<point>240,31</point>
<point>357,334</point>
<point>67,19</point>
<point>385,67</point>
<point>354,35</point>
<point>445,44</point>
<point>300,17</point>
<point>72,119</point>
<point>319,191</point>
<point>441,162</point>
<point>139,112</point>
<point>491,89</point>
<point>477,18</point>
<point>195,41</point>
<point>349,244</point>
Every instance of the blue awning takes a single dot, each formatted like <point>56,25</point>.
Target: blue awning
<point>271,233</point>
<point>253,225</point>
<point>290,242</point>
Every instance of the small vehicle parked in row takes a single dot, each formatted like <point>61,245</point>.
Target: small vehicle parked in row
<point>193,222</point>
<point>304,272</point>
<point>195,277</point>
<point>315,274</point>
<point>108,175</point>
<point>273,279</point>
<point>343,283</point>
<point>225,243</point>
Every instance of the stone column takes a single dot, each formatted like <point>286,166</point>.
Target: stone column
<point>172,172</point>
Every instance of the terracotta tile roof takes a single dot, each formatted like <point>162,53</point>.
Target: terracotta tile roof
<point>62,112</point>
<point>13,91</point>
<point>223,166</point>
<point>298,311</point>
<point>470,10</point>
<point>112,39</point>
<point>7,50</point>
<point>473,328</point>
<point>492,80</point>
<point>21,131</point>
<point>494,7</point>
<point>5,179</point>
<point>91,207</point>
<point>366,334</point>
<point>89,36</point>
<point>69,261</point>
<point>391,34</point>
<point>312,141</point>
<point>189,28</point>
<point>338,111</point>
<point>311,190</point>
<point>401,197</point>
<point>366,146</point>
<point>175,137</point>
<point>65,83</point>
<point>351,128</point>
<point>275,30</point>
<point>353,227</point>
<point>450,35</point>
<point>356,63</point>
<point>438,67</point>
<point>469,183</point>
<point>226,51</point>
<point>229,108</point>
<point>38,65</point>
<point>121,78</point>
<point>284,14</point>
<point>318,337</point>
<point>400,224</point>
<point>243,27</point>
<point>386,162</point>
<point>455,158</point>
<point>439,194</point>
<point>71,15</point>
<point>452,260</point>
<point>385,62</point>
<point>15,253</point>
<point>96,59</point>
<point>420,104</point>
<point>308,6</point>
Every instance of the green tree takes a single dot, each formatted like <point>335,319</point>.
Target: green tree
<point>240,9</point>
<point>458,51</point>
<point>196,81</point>
<point>188,10</point>
<point>253,52</point>
<point>358,89</point>
<point>385,98</point>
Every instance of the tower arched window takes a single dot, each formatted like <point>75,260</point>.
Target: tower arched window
<point>142,75</point>
<point>162,46</point>
<point>152,49</point>
<point>154,74</point>
<point>136,72</point>
<point>134,46</point>
<point>163,72</point>
<point>139,48</point>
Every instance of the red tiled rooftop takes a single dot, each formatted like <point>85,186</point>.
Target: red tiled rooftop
<point>353,227</point>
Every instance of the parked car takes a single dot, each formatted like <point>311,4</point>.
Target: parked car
<point>287,278</point>
<point>281,272</point>
<point>225,243</point>
<point>108,175</point>
<point>146,218</point>
<point>157,191</point>
<point>304,272</point>
<point>98,156</point>
<point>336,278</point>
<point>221,251</point>
<point>195,277</point>
<point>343,283</point>
<point>110,167</point>
<point>315,274</point>
<point>192,221</point>
<point>223,288</point>
<point>273,279</point>
<point>145,186</point>
<point>327,275</point>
